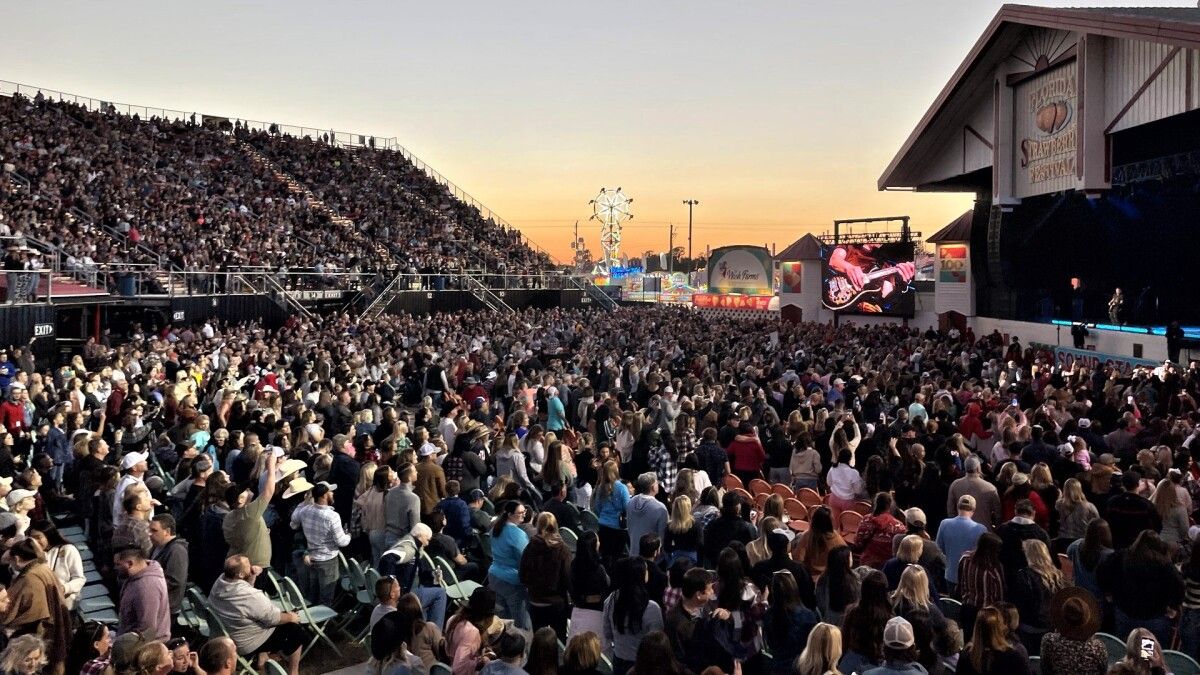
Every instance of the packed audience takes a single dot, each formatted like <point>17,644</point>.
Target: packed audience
<point>104,188</point>
<point>648,490</point>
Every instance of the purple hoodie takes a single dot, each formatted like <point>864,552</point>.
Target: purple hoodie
<point>144,604</point>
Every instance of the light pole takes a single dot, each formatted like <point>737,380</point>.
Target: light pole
<point>690,203</point>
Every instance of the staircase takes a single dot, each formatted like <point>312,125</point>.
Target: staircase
<point>598,296</point>
<point>486,295</point>
<point>266,284</point>
<point>377,306</point>
<point>299,190</point>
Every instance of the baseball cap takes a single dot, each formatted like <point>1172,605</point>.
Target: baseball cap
<point>125,648</point>
<point>475,495</point>
<point>966,503</point>
<point>427,449</point>
<point>132,459</point>
<point>17,495</point>
<point>322,488</point>
<point>898,633</point>
<point>915,516</point>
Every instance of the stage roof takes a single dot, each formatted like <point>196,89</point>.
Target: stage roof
<point>1178,26</point>
<point>959,229</point>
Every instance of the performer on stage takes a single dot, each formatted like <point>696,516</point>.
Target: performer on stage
<point>1115,305</point>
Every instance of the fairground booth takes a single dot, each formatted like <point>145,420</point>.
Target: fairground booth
<point>1077,130</point>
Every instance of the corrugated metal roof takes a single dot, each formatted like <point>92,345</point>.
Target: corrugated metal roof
<point>959,229</point>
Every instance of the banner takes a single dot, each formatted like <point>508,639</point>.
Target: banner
<point>952,263</point>
<point>789,277</point>
<point>719,301</point>
<point>869,279</point>
<point>741,269</point>
<point>1066,357</point>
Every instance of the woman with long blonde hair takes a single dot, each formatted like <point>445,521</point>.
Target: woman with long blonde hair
<point>682,538</point>
<point>1032,591</point>
<point>1173,513</point>
<point>822,651</point>
<point>1074,514</point>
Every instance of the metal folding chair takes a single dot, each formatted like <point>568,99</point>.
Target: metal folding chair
<point>315,617</point>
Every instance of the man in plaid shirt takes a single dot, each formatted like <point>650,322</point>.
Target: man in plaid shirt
<point>325,535</point>
<point>662,460</point>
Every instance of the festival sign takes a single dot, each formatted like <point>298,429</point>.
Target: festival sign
<point>1046,132</point>
<point>760,303</point>
<point>741,269</point>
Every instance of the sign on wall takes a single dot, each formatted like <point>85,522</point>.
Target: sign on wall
<point>741,269</point>
<point>719,301</point>
<point>953,263</point>
<point>790,276</point>
<point>1066,357</point>
<point>1045,132</point>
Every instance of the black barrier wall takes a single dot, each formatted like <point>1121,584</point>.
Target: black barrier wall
<point>427,302</point>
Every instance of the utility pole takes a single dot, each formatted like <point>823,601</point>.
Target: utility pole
<point>690,203</point>
<point>671,251</point>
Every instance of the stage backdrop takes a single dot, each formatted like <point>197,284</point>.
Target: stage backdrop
<point>883,282</point>
<point>741,269</point>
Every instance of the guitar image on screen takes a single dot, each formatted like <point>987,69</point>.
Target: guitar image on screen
<point>840,294</point>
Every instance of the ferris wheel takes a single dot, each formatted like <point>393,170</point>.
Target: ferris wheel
<point>611,208</point>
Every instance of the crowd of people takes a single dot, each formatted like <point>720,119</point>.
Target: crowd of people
<point>105,190</point>
<point>565,491</point>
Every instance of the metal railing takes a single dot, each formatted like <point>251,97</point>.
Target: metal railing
<point>27,287</point>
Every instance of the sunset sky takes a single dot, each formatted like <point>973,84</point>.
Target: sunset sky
<point>778,117</point>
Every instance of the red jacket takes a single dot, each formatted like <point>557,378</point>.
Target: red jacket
<point>12,417</point>
<point>746,453</point>
<point>873,541</point>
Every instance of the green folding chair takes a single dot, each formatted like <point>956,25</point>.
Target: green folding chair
<point>94,591</point>
<point>458,591</point>
<point>569,538</point>
<point>1114,645</point>
<point>316,617</point>
<point>950,607</point>
<point>1180,663</point>
<point>440,668</point>
<point>588,521</point>
<point>213,626</point>
<point>1035,665</point>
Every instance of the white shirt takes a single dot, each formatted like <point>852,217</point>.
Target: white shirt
<point>845,482</point>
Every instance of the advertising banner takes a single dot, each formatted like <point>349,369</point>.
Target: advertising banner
<point>869,279</point>
<point>952,263</point>
<point>718,301</point>
<point>741,269</point>
<point>789,277</point>
<point>1065,357</point>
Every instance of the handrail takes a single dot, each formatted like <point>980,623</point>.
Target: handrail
<point>339,138</point>
<point>21,287</point>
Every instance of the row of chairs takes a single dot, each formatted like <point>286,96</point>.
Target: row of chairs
<point>94,602</point>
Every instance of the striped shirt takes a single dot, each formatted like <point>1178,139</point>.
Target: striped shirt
<point>979,586</point>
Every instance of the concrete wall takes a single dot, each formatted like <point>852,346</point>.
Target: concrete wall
<point>1106,342</point>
